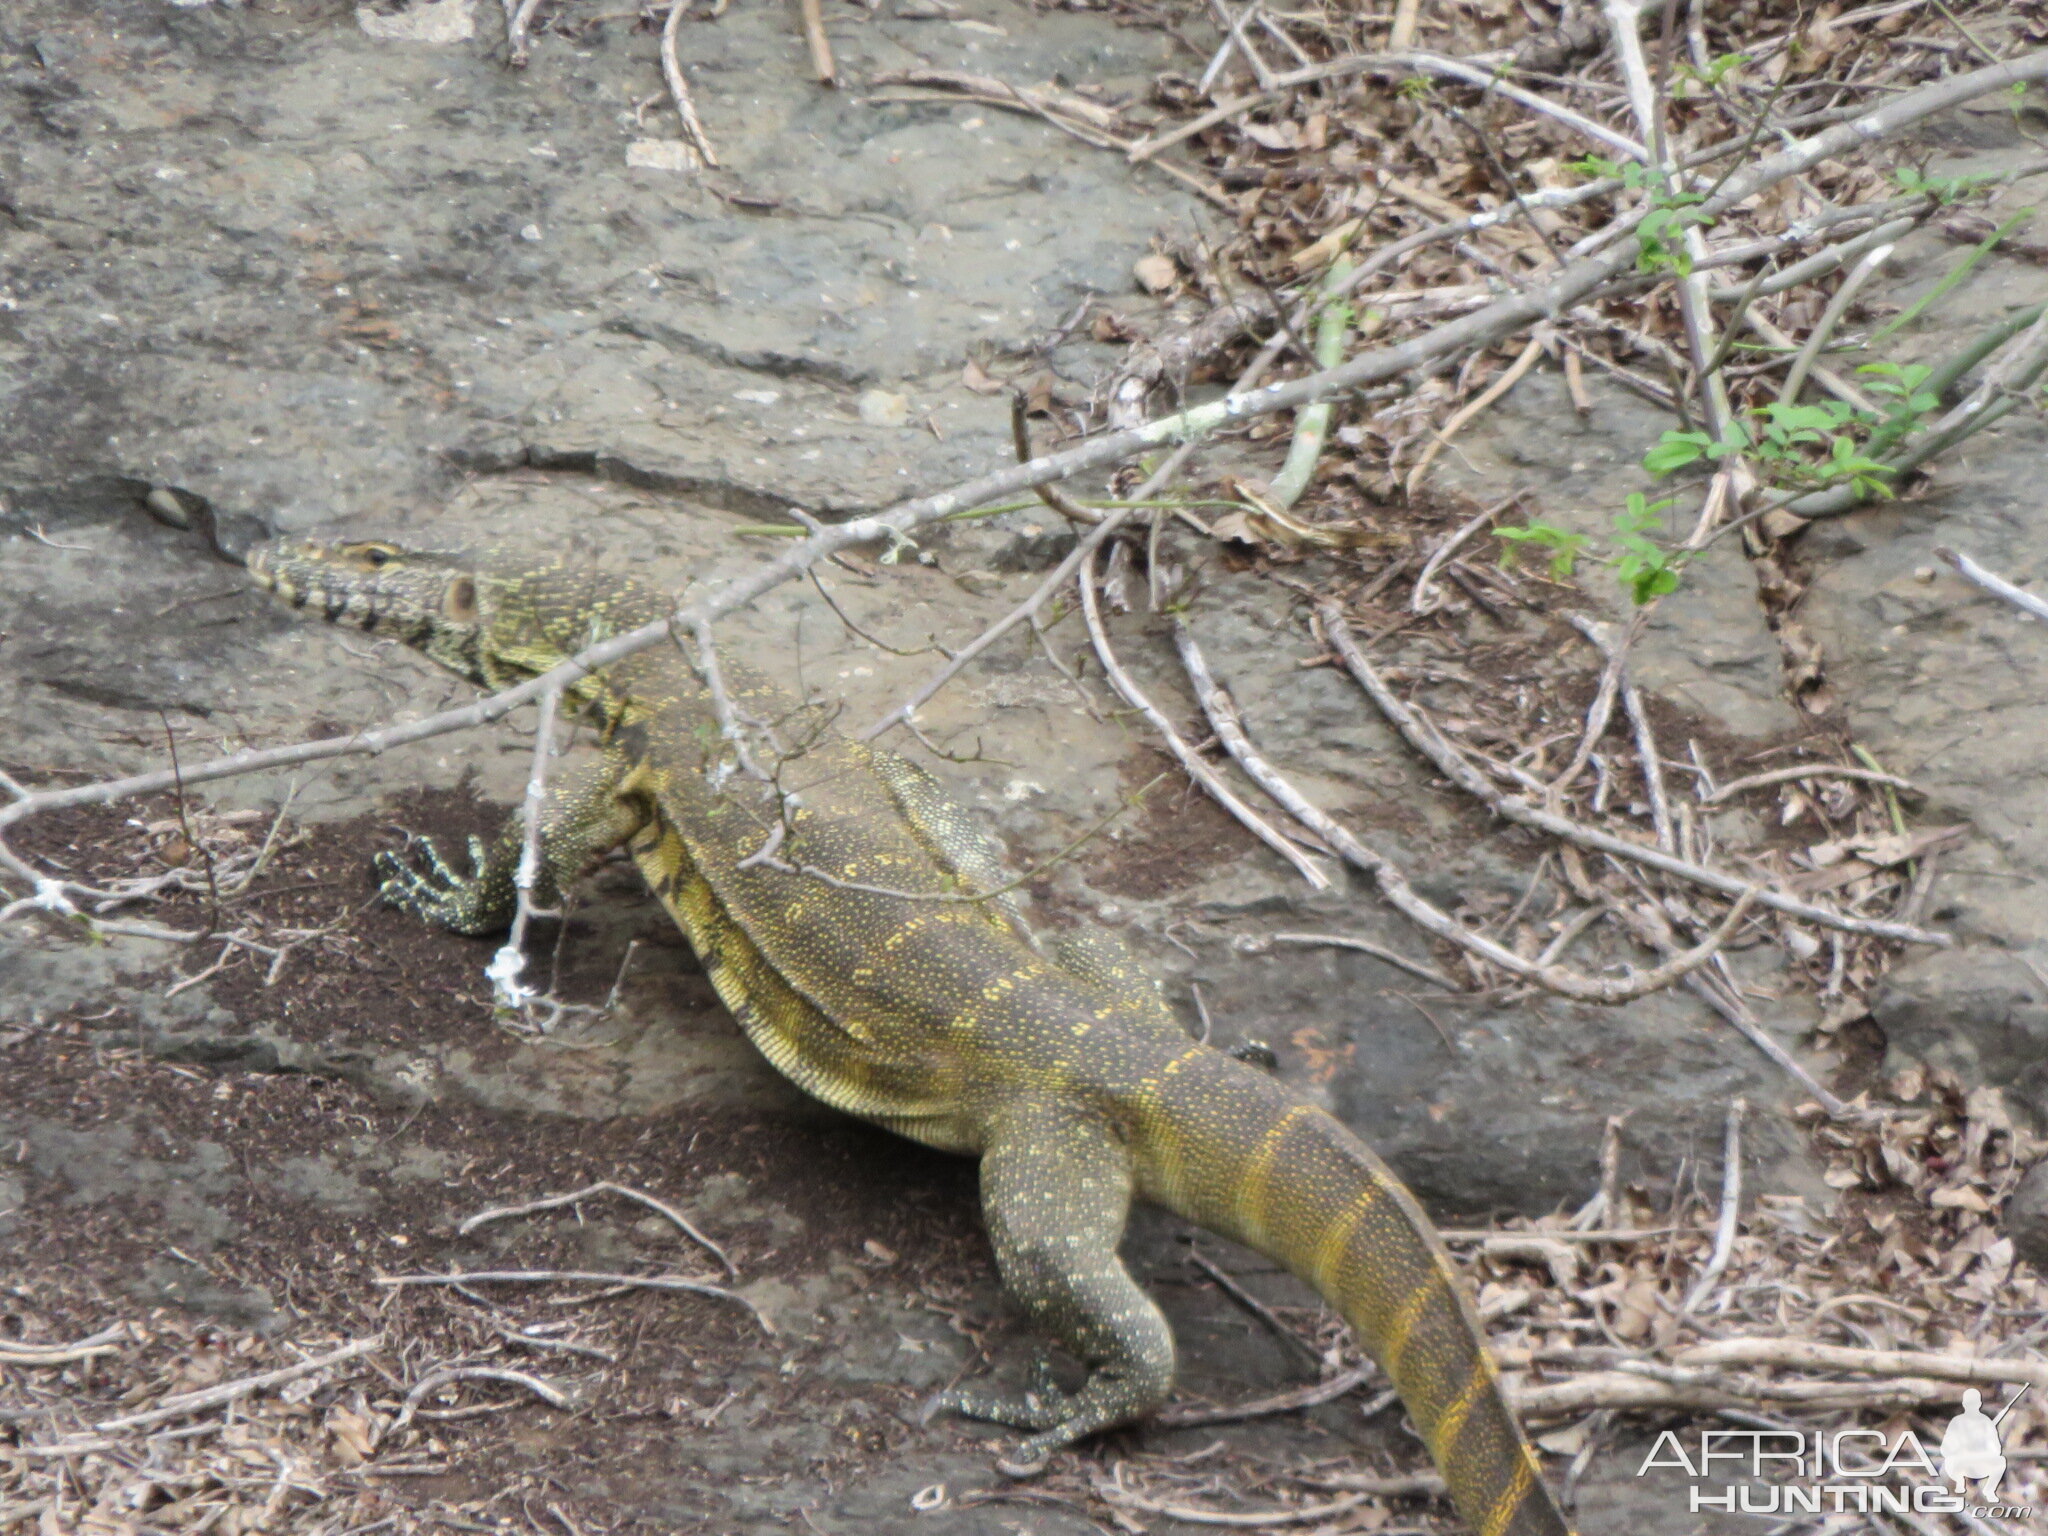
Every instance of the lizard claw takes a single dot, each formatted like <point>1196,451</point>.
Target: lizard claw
<point>1019,1410</point>
<point>1028,1460</point>
<point>440,894</point>
<point>1028,1411</point>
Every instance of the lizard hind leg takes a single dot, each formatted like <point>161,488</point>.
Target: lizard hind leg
<point>1056,1187</point>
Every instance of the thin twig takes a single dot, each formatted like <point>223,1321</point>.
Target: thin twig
<point>1456,768</point>
<point>1392,957</point>
<point>1031,606</point>
<point>510,960</point>
<point>107,1341</point>
<point>1831,317</point>
<point>1639,722</point>
<point>1992,582</point>
<point>1228,1283</point>
<point>1423,598</point>
<point>1197,769</point>
<point>683,1283</point>
<point>1798,771</point>
<point>1598,714</point>
<point>1731,1210</point>
<point>1393,884</point>
<point>1292,1514</point>
<point>679,87</point>
<point>186,1404</point>
<point>1808,1355</point>
<point>820,46</point>
<point>1440,439</point>
<point>605,1187</point>
<point>1189,1416</point>
<point>443,1375</point>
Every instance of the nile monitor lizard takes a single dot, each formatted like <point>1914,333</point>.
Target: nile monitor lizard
<point>849,913</point>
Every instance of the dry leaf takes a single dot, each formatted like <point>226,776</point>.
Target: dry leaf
<point>1309,257</point>
<point>355,1437</point>
<point>1960,1197</point>
<point>1156,273</point>
<point>977,379</point>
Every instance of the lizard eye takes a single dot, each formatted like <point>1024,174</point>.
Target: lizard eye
<point>376,556</point>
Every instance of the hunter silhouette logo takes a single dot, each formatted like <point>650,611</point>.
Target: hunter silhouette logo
<point>1971,1449</point>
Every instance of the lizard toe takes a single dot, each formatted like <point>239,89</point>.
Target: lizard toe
<point>1030,1457</point>
<point>1018,1410</point>
<point>440,896</point>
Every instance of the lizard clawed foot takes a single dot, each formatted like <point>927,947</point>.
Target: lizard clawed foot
<point>441,894</point>
<point>1037,1408</point>
<point>1019,1411</point>
<point>1042,1407</point>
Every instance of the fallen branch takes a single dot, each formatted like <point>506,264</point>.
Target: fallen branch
<point>604,1187</point>
<point>1454,766</point>
<point>107,1341</point>
<point>1566,287</point>
<point>1393,884</point>
<point>1798,771</point>
<point>679,87</point>
<point>442,1376</point>
<point>1713,1393</point>
<point>683,1283</point>
<point>186,1404</point>
<point>1806,1355</point>
<point>1188,1417</point>
<point>1197,769</point>
<point>1731,1210</point>
<point>1992,582</point>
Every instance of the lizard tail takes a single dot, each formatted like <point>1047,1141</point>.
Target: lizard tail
<point>1225,1146</point>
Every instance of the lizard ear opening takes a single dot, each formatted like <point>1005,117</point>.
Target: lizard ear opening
<point>459,601</point>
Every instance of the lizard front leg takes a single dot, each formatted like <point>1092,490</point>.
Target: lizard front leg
<point>583,815</point>
<point>1056,1188</point>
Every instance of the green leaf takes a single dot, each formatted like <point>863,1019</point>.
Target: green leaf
<point>1674,450</point>
<point>1564,547</point>
<point>1641,513</point>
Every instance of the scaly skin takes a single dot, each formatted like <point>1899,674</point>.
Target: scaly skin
<point>897,991</point>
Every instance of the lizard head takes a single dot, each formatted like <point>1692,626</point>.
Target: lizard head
<point>431,600</point>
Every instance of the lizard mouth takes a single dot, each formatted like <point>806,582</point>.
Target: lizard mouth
<point>264,568</point>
